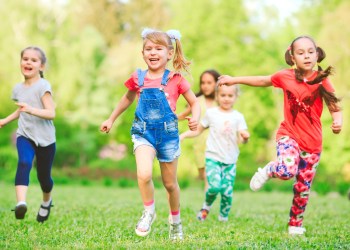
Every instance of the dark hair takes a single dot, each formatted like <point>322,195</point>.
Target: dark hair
<point>42,56</point>
<point>214,74</point>
<point>331,100</point>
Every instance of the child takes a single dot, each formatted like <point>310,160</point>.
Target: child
<point>155,130</point>
<point>226,128</point>
<point>206,98</point>
<point>35,133</point>
<point>299,137</point>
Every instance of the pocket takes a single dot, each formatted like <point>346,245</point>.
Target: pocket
<point>171,128</point>
<point>137,128</point>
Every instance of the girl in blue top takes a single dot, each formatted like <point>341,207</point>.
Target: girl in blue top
<point>35,133</point>
<point>155,128</point>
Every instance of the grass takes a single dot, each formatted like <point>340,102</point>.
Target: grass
<point>96,217</point>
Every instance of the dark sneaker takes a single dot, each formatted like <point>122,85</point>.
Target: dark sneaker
<point>20,211</point>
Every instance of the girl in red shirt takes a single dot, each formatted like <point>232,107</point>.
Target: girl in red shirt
<point>299,137</point>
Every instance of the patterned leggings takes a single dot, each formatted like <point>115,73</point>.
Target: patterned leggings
<point>291,161</point>
<point>221,178</point>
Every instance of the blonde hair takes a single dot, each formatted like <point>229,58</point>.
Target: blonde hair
<point>180,63</point>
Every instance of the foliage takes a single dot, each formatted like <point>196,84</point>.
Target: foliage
<point>92,54</point>
<point>93,217</point>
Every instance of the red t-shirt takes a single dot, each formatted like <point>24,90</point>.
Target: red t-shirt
<point>176,86</point>
<point>303,107</point>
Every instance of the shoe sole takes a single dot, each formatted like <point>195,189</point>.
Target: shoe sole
<point>20,212</point>
<point>144,234</point>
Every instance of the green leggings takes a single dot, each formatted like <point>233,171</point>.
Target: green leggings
<point>221,178</point>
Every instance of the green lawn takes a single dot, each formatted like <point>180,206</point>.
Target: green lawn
<point>96,217</point>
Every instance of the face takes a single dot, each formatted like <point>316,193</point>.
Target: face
<point>226,97</point>
<point>156,56</point>
<point>207,84</point>
<point>304,54</point>
<point>31,64</point>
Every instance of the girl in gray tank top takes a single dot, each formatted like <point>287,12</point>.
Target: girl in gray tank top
<point>36,131</point>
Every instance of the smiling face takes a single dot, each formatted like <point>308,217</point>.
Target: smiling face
<point>31,64</point>
<point>207,84</point>
<point>304,55</point>
<point>226,97</point>
<point>156,56</point>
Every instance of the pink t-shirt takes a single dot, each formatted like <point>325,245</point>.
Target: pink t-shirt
<point>303,107</point>
<point>176,86</point>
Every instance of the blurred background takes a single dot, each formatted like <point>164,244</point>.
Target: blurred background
<point>93,46</point>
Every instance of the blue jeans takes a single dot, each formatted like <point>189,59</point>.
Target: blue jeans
<point>44,158</point>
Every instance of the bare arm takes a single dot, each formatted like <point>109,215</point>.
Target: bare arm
<point>337,122</point>
<point>195,109</point>
<point>9,118</point>
<point>192,133</point>
<point>255,81</point>
<point>123,104</point>
<point>48,112</point>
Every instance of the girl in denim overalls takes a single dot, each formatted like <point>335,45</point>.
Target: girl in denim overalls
<point>155,130</point>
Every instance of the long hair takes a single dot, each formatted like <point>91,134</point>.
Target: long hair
<point>214,74</point>
<point>330,99</point>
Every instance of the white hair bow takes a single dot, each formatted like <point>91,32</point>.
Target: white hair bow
<point>174,34</point>
<point>146,31</point>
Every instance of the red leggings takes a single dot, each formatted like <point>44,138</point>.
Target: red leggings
<point>293,162</point>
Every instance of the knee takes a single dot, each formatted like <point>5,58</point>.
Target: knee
<point>214,189</point>
<point>24,163</point>
<point>171,186</point>
<point>144,178</point>
<point>285,172</point>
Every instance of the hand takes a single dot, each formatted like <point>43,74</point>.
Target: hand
<point>106,126</point>
<point>226,80</point>
<point>24,107</point>
<point>336,126</point>
<point>192,123</point>
<point>244,135</point>
<point>2,123</point>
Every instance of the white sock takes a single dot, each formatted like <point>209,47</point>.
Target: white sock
<point>176,218</point>
<point>21,203</point>
<point>44,212</point>
<point>205,206</point>
<point>46,203</point>
<point>150,207</point>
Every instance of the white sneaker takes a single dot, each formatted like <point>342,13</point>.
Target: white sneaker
<point>222,219</point>
<point>175,230</point>
<point>259,179</point>
<point>296,230</point>
<point>145,223</point>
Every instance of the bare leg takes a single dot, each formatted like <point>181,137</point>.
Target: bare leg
<point>21,193</point>
<point>144,161</point>
<point>169,178</point>
<point>202,176</point>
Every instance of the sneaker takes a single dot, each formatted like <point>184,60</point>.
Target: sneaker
<point>145,223</point>
<point>259,179</point>
<point>202,214</point>
<point>296,230</point>
<point>44,210</point>
<point>20,211</point>
<point>222,219</point>
<point>175,232</point>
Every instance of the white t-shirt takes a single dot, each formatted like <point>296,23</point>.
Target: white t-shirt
<point>222,142</point>
<point>40,131</point>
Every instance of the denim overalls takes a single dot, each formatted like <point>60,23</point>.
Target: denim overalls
<point>155,124</point>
